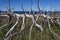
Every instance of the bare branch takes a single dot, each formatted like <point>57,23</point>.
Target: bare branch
<point>6,23</point>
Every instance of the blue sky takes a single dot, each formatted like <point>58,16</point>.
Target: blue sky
<point>44,5</point>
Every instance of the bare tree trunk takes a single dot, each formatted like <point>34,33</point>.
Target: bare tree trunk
<point>38,5</point>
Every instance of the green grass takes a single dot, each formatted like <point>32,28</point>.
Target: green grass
<point>24,35</point>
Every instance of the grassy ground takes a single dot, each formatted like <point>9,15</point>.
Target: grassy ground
<point>24,35</point>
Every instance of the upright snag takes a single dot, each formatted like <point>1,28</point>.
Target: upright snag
<point>23,9</point>
<point>24,21</point>
<point>40,11</point>
<point>38,5</point>
<point>10,10</point>
<point>32,12</point>
<point>31,25</point>
<point>24,14</point>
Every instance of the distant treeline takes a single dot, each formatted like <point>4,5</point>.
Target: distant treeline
<point>35,12</point>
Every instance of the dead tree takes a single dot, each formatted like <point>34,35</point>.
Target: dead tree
<point>38,3</point>
<point>10,10</point>
<point>23,9</point>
